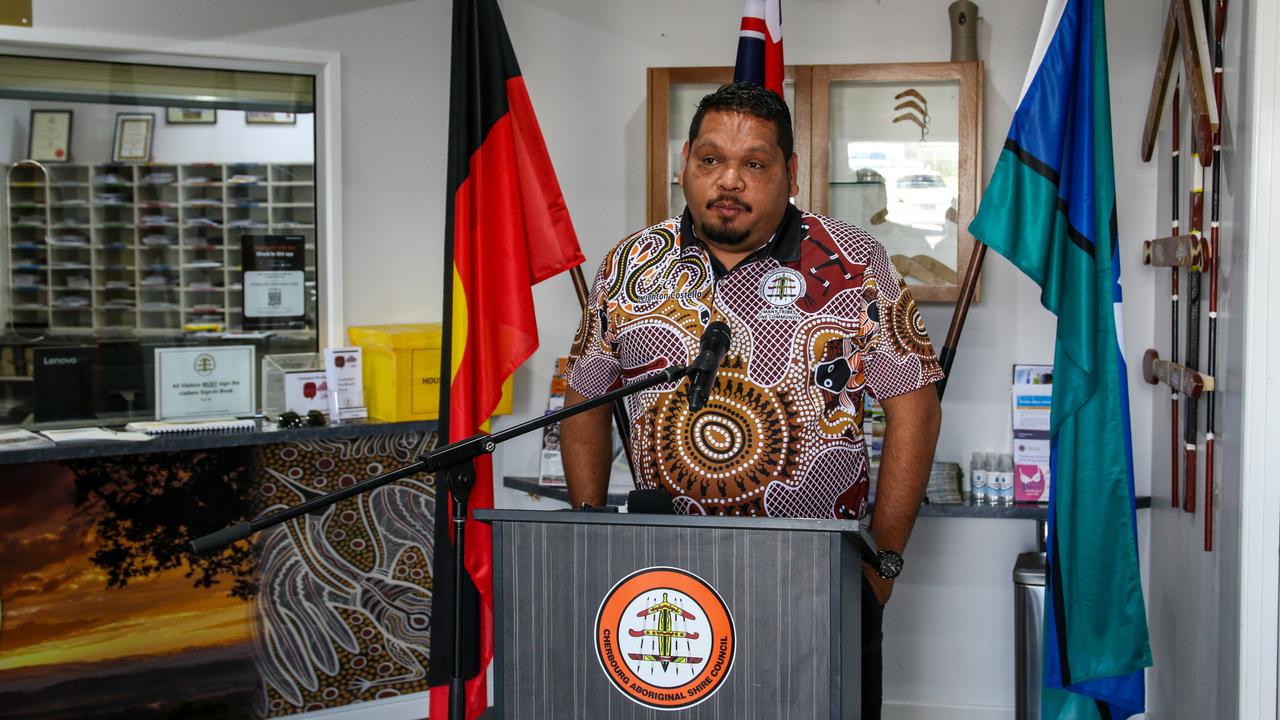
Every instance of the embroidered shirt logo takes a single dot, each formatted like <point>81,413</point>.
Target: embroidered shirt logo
<point>782,287</point>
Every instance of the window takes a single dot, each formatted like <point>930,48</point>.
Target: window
<point>128,233</point>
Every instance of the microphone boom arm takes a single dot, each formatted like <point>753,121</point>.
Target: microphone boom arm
<point>445,458</point>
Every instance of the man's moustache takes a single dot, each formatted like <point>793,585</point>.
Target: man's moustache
<point>728,199</point>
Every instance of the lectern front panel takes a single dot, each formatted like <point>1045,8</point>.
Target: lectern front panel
<point>620,621</point>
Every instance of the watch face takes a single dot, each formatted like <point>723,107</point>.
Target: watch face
<point>890,564</point>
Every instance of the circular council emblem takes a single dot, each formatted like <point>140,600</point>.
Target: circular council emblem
<point>782,287</point>
<point>204,364</point>
<point>665,638</point>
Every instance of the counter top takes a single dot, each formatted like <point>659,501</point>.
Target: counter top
<point>181,442</point>
<point>1019,511</point>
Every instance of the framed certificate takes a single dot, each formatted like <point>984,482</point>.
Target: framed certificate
<point>205,382</point>
<point>133,137</point>
<point>50,137</point>
<point>190,116</point>
<point>255,117</point>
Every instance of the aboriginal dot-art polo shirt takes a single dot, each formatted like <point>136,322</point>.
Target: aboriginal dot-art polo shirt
<point>818,317</point>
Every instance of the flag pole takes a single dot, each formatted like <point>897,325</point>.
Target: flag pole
<point>967,290</point>
<point>444,480</point>
<point>451,486</point>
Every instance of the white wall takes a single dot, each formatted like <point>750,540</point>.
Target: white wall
<point>228,140</point>
<point>15,118</point>
<point>1194,600</point>
<point>950,635</point>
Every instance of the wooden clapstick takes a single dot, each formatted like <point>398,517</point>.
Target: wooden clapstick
<point>1179,377</point>
<point>1197,67</point>
<point>1204,133</point>
<point>1160,85</point>
<point>1184,25</point>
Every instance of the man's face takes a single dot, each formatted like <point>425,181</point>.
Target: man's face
<point>736,181</point>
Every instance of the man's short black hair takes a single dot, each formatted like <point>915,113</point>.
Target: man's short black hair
<point>750,99</point>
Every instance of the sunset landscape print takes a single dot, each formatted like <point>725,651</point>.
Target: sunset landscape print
<point>72,646</point>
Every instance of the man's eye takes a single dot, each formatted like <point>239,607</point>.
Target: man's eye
<point>755,165</point>
<point>708,161</point>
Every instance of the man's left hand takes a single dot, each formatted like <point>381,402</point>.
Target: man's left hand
<point>881,587</point>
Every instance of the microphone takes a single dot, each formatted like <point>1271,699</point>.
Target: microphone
<point>702,373</point>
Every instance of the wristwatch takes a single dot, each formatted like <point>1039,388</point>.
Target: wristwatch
<point>888,564</point>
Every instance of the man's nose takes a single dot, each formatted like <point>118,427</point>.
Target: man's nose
<point>730,179</point>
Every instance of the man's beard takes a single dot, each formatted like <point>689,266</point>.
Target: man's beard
<point>721,234</point>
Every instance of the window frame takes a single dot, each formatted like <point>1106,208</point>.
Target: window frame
<point>324,66</point>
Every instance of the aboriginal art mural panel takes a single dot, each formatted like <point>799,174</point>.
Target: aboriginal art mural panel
<point>104,613</point>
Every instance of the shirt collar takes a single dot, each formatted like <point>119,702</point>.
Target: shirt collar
<point>784,246</point>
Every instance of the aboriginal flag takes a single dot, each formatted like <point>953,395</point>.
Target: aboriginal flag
<point>506,228</point>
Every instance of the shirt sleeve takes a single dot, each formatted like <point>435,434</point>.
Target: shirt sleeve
<point>900,358</point>
<point>594,368</point>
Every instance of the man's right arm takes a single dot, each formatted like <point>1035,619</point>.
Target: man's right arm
<point>586,446</point>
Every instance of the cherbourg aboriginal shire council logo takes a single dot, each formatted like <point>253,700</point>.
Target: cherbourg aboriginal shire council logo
<point>665,638</point>
<point>782,286</point>
<point>204,364</point>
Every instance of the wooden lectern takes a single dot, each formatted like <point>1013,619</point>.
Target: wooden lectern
<point>607,616</point>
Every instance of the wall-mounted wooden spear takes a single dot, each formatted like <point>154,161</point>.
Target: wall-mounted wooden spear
<point>1185,27</point>
<point>1219,24</point>
<point>1176,456</point>
<point>1192,359</point>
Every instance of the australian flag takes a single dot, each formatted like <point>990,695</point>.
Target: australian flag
<point>760,45</point>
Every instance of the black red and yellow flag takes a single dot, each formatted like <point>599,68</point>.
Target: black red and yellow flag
<point>506,229</point>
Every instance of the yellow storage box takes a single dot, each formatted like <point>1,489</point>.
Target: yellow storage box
<point>402,371</point>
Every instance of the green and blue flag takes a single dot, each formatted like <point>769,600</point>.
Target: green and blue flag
<point>1051,209</point>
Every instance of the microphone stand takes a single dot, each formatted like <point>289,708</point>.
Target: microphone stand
<point>455,471</point>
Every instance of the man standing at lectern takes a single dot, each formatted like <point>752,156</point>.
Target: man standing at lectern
<point>818,316</point>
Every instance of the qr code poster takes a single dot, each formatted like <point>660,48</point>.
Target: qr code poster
<point>274,282</point>
<point>273,294</point>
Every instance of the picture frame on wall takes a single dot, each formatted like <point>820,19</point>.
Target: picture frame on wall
<point>190,116</point>
<point>132,142</point>
<point>256,117</point>
<point>49,139</point>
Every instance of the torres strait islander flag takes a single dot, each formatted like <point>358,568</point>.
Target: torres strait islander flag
<point>760,45</point>
<point>506,228</point>
<point>1051,209</point>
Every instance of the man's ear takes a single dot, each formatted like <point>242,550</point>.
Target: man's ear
<point>684,162</point>
<point>793,174</point>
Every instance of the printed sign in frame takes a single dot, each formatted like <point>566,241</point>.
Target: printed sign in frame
<point>205,382</point>
<point>274,290</point>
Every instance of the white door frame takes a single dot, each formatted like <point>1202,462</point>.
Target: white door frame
<point>1260,383</point>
